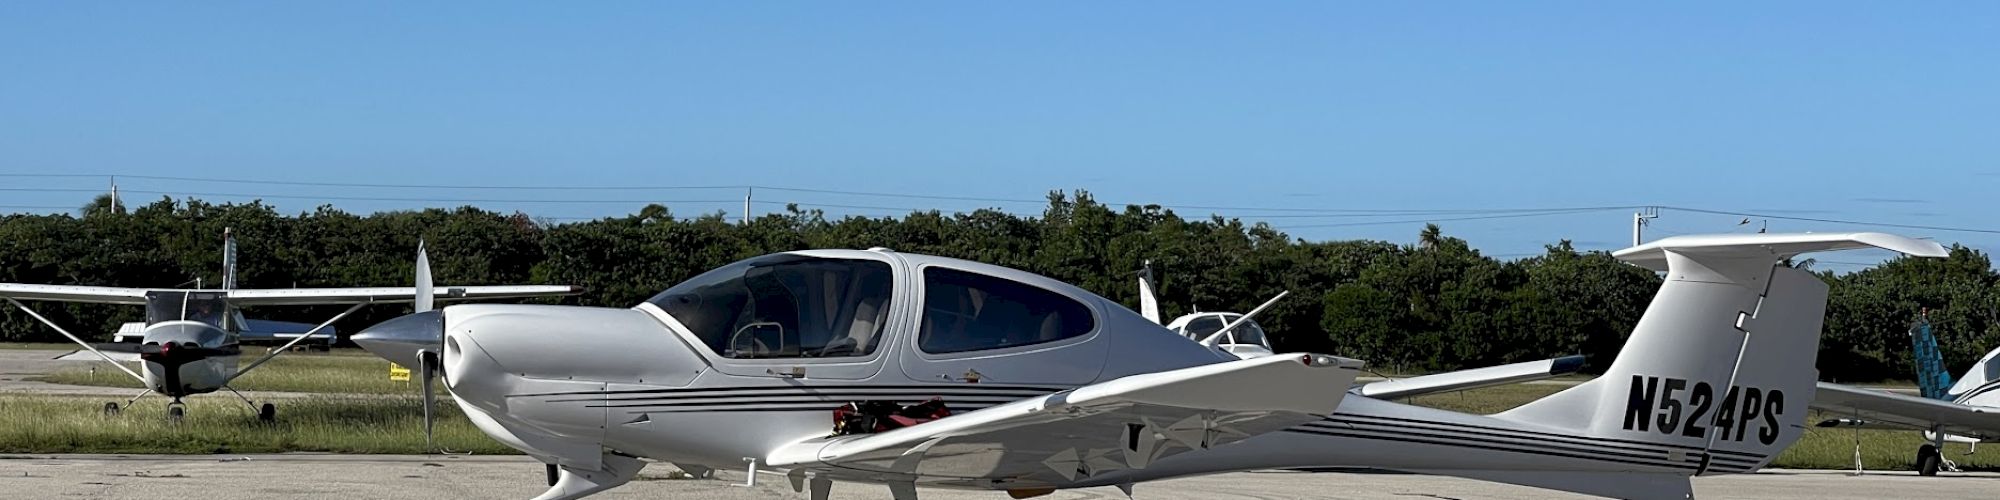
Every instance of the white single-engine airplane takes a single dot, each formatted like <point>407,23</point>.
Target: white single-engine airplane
<point>190,342</point>
<point>1232,332</point>
<point>1057,388</point>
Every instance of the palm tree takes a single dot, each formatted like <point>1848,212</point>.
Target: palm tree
<point>103,204</point>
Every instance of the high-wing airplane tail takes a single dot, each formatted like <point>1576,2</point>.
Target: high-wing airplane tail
<point>1721,365</point>
<point>1149,306</point>
<point>228,260</point>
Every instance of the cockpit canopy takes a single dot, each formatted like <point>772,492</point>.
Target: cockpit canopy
<point>802,306</point>
<point>785,306</point>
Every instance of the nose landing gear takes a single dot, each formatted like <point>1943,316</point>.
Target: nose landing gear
<point>176,411</point>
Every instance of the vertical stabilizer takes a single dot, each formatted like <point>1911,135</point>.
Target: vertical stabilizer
<point>1721,366</point>
<point>228,260</point>
<point>1149,306</point>
<point>1932,379</point>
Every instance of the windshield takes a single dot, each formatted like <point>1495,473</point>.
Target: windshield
<point>785,306</point>
<point>1246,333</point>
<point>206,307</point>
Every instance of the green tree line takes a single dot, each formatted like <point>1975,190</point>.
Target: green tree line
<point>1437,304</point>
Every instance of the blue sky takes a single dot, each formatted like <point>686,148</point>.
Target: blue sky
<point>1835,110</point>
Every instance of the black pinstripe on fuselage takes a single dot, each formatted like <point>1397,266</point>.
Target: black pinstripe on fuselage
<point>959,397</point>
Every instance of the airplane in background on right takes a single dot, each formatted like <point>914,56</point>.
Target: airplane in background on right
<point>1238,335</point>
<point>1964,412</point>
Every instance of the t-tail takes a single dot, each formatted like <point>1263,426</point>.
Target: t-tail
<point>1932,379</point>
<point>1720,367</point>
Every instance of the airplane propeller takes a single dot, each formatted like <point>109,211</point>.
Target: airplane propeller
<point>415,340</point>
<point>428,364</point>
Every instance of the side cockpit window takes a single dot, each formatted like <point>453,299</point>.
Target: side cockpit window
<point>970,312</point>
<point>785,306</point>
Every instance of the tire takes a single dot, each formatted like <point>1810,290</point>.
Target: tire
<point>552,474</point>
<point>1928,460</point>
<point>175,413</point>
<point>111,409</point>
<point>267,413</point>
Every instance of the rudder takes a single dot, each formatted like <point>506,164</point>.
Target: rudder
<point>1721,365</point>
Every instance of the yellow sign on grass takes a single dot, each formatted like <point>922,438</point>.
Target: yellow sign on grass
<point>398,373</point>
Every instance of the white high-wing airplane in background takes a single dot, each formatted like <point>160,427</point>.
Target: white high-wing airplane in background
<point>1058,388</point>
<point>190,343</point>
<point>1241,336</point>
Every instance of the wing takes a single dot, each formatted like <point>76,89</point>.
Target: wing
<point>67,293</point>
<point>315,296</point>
<point>1879,408</point>
<point>1472,379</point>
<point>1060,438</point>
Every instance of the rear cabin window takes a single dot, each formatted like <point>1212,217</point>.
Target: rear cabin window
<point>1203,326</point>
<point>971,312</point>
<point>785,306</point>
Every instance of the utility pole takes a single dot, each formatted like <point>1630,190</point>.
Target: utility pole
<point>1639,219</point>
<point>747,192</point>
<point>114,194</point>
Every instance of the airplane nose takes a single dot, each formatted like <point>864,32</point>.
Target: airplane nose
<point>536,377</point>
<point>398,340</point>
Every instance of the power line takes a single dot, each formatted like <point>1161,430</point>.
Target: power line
<point>428,200</point>
<point>1343,211</point>
<point>1835,221</point>
<point>1471,214</point>
<point>59,190</point>
<point>384,186</point>
<point>1447,219</point>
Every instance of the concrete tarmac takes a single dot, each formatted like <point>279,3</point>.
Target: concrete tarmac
<point>234,477</point>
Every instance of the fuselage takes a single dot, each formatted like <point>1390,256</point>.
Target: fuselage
<point>567,383</point>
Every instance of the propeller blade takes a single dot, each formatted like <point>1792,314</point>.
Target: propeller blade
<point>429,368</point>
<point>423,296</point>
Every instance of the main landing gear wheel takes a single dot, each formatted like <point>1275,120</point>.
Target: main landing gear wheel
<point>267,413</point>
<point>1928,460</point>
<point>111,409</point>
<point>553,475</point>
<point>175,412</point>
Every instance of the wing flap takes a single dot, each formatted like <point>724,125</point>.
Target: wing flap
<point>316,296</point>
<point>1877,408</point>
<point>1122,424</point>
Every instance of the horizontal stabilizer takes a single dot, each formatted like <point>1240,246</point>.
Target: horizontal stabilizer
<point>1881,408</point>
<point>1775,246</point>
<point>82,355</point>
<point>1472,379</point>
